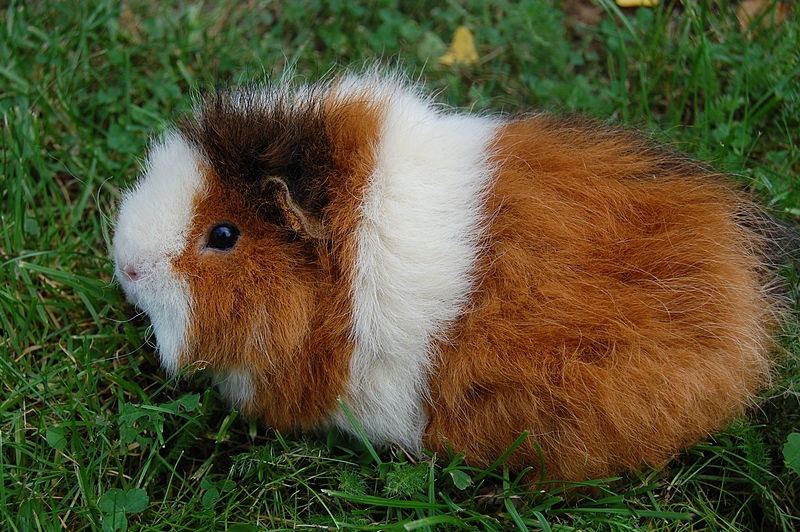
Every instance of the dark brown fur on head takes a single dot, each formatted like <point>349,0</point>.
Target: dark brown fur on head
<point>265,142</point>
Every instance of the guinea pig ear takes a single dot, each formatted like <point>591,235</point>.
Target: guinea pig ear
<point>298,219</point>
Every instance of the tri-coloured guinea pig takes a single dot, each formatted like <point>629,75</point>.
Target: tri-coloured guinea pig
<point>455,279</point>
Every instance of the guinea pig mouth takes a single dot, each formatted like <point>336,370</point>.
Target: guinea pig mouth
<point>166,299</point>
<point>127,286</point>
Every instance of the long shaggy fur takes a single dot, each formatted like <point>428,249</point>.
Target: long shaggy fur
<point>459,280</point>
<point>622,314</point>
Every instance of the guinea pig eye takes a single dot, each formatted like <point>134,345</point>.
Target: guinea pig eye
<point>223,237</point>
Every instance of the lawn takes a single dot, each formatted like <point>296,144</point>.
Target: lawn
<point>92,434</point>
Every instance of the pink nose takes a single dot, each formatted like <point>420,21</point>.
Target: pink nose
<point>131,272</point>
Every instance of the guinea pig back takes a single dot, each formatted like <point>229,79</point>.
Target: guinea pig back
<point>455,279</point>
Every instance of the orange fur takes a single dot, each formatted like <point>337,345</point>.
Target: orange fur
<point>277,309</point>
<point>620,315</point>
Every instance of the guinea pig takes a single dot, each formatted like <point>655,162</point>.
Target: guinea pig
<point>456,280</point>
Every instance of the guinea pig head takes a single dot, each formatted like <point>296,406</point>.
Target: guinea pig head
<point>223,243</point>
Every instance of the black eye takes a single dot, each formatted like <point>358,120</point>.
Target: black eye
<point>223,237</point>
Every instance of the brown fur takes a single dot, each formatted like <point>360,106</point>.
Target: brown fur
<point>620,315</point>
<point>275,304</point>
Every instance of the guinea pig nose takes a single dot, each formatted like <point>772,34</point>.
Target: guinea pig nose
<point>131,272</point>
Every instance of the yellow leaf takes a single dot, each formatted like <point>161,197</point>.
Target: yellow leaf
<point>462,49</point>
<point>637,3</point>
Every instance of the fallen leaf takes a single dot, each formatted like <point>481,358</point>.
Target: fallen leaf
<point>756,10</point>
<point>129,23</point>
<point>462,49</point>
<point>637,3</point>
<point>583,11</point>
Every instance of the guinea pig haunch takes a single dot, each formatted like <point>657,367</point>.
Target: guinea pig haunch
<point>455,279</point>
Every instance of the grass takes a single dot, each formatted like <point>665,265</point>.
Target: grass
<point>92,435</point>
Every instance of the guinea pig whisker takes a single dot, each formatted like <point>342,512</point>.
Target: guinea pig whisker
<point>129,320</point>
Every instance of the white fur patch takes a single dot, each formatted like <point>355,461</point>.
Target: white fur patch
<point>421,224</point>
<point>236,386</point>
<point>152,228</point>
